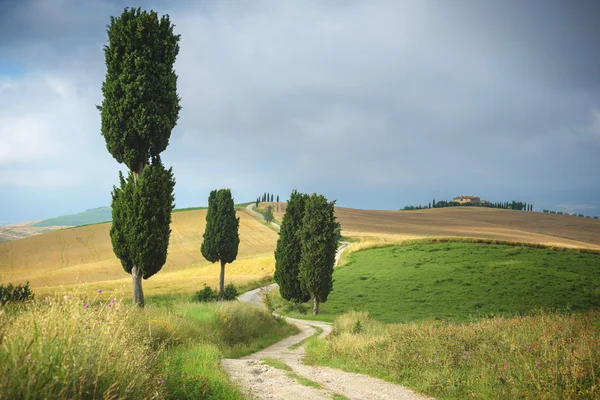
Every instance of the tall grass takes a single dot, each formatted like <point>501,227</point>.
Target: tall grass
<point>76,347</point>
<point>549,355</point>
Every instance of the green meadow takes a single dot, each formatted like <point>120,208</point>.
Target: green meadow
<point>459,282</point>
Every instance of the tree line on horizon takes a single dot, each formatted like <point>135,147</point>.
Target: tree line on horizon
<point>507,205</point>
<point>266,198</point>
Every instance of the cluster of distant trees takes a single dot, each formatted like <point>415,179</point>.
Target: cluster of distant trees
<point>507,205</point>
<point>266,197</point>
<point>566,213</point>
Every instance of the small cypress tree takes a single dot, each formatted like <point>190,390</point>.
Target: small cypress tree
<point>289,249</point>
<point>269,214</point>
<point>271,197</point>
<point>278,198</point>
<point>433,203</point>
<point>319,245</point>
<point>221,237</point>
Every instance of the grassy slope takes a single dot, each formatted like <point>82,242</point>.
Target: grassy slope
<point>84,254</point>
<point>73,346</point>
<point>546,356</point>
<point>93,216</point>
<point>457,281</point>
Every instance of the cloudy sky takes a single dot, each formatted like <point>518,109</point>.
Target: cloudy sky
<point>378,104</point>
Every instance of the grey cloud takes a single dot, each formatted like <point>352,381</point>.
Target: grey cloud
<point>406,100</point>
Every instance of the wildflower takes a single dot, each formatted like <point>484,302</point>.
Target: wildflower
<point>109,305</point>
<point>112,300</point>
<point>86,305</point>
<point>162,381</point>
<point>99,290</point>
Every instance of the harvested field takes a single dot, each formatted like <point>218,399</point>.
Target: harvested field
<point>489,223</point>
<point>84,255</point>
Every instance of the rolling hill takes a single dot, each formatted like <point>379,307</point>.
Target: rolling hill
<point>84,255</point>
<point>489,223</point>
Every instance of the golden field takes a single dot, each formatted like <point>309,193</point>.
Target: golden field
<point>84,255</point>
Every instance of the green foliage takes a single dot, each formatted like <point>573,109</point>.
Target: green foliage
<point>461,281</point>
<point>268,214</point>
<point>230,292</point>
<point>289,249</point>
<point>15,294</point>
<point>142,217</point>
<point>319,245</point>
<point>221,238</point>
<point>206,294</point>
<point>141,105</point>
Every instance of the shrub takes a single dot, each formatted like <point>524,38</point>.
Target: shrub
<point>209,294</point>
<point>206,294</point>
<point>19,293</point>
<point>230,292</point>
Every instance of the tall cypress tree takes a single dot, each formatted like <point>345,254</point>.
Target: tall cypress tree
<point>288,251</point>
<point>139,110</point>
<point>221,237</point>
<point>319,245</point>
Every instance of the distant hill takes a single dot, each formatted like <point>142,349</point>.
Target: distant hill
<point>477,222</point>
<point>92,216</point>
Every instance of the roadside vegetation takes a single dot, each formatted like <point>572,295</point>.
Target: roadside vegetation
<point>74,346</point>
<point>545,355</point>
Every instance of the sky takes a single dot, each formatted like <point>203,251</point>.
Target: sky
<point>375,104</point>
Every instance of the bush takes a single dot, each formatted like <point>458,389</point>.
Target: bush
<point>206,294</point>
<point>230,292</point>
<point>19,293</point>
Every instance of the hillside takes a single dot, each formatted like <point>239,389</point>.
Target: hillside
<point>23,230</point>
<point>84,254</point>
<point>93,216</point>
<point>551,229</point>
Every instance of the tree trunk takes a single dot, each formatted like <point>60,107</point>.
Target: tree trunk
<point>136,274</point>
<point>222,281</point>
<point>138,292</point>
<point>315,306</point>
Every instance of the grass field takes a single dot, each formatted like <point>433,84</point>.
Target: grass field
<point>545,356</point>
<point>461,281</point>
<point>76,345</point>
<point>84,255</point>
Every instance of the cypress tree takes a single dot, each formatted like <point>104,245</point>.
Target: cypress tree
<point>319,245</point>
<point>271,197</point>
<point>278,198</point>
<point>433,203</point>
<point>288,251</point>
<point>221,237</point>
<point>139,110</point>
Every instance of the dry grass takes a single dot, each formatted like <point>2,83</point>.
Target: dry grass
<point>545,356</point>
<point>84,255</point>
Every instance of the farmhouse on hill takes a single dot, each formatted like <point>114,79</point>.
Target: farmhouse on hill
<point>470,199</point>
